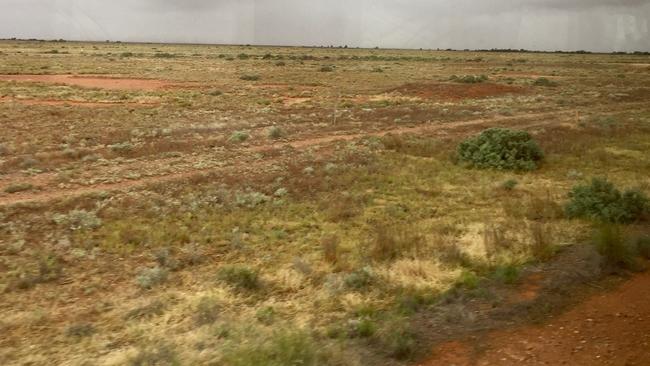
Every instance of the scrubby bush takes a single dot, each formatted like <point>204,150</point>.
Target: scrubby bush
<point>359,279</point>
<point>507,274</point>
<point>510,184</point>
<point>18,187</point>
<point>614,246</point>
<point>643,246</point>
<point>275,133</point>
<point>161,354</point>
<point>545,82</point>
<point>281,349</point>
<point>239,136</point>
<point>469,79</point>
<point>240,277</point>
<point>601,201</point>
<point>250,77</point>
<point>152,277</point>
<point>207,311</point>
<point>326,69</point>
<point>398,339</point>
<point>80,330</point>
<point>501,148</point>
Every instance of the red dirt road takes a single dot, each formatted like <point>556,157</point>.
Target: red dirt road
<point>611,328</point>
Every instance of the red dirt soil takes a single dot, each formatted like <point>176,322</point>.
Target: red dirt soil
<point>611,328</point>
<point>448,91</point>
<point>92,81</point>
<point>76,103</point>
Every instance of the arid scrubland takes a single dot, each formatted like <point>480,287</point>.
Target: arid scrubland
<point>185,205</point>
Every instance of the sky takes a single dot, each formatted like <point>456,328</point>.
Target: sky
<point>593,25</point>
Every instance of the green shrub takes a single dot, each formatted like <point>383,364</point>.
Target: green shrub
<point>602,201</point>
<point>240,277</point>
<point>284,348</point>
<point>501,148</point>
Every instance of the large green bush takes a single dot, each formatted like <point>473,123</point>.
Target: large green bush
<point>501,148</point>
<point>601,201</point>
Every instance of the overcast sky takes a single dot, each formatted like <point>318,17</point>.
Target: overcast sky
<point>595,25</point>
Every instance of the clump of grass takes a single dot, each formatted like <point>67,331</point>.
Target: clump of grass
<point>239,136</point>
<point>207,311</point>
<point>545,82</point>
<point>280,63</point>
<point>330,245</point>
<point>391,242</point>
<point>276,133</point>
<point>265,315</point>
<point>397,339</point>
<point>509,185</point>
<point>154,308</point>
<point>611,243</point>
<point>601,201</point>
<point>362,328</point>
<point>152,277</point>
<point>468,280</point>
<point>243,56</point>
<point>250,77</point>
<point>344,207</point>
<point>240,277</point>
<point>508,274</point>
<point>164,55</point>
<point>541,247</point>
<point>326,69</point>
<point>50,268</point>
<point>18,187</point>
<point>359,279</point>
<point>285,347</point>
<point>161,354</point>
<point>80,330</point>
<point>643,246</point>
<point>501,148</point>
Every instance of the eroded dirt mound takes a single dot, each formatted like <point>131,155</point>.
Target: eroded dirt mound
<point>611,328</point>
<point>92,81</point>
<point>448,91</point>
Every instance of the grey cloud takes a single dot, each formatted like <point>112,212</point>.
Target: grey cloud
<point>600,25</point>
